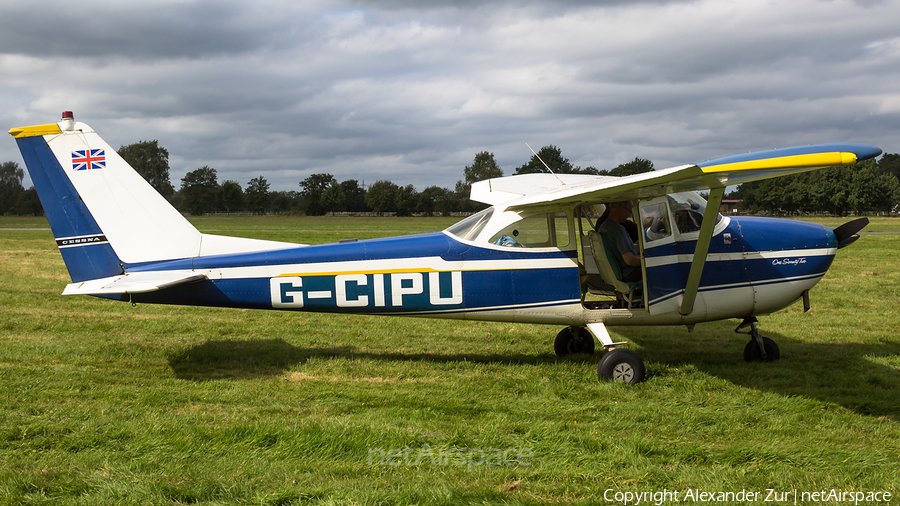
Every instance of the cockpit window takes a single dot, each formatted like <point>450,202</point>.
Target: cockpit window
<point>469,228</point>
<point>539,231</point>
<point>687,210</point>
<point>655,222</point>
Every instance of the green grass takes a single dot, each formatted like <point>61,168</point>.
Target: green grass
<point>105,403</point>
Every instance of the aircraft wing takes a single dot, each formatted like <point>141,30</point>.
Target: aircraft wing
<point>138,282</point>
<point>531,190</point>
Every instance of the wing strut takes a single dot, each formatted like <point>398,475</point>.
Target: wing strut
<point>706,232</point>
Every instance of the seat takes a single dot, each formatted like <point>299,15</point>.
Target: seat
<point>609,270</point>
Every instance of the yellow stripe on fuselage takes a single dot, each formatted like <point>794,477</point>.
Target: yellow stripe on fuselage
<point>787,162</point>
<point>36,130</point>
<point>481,265</point>
<point>374,271</point>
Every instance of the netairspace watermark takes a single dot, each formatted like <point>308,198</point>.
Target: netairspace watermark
<point>769,495</point>
<point>469,458</point>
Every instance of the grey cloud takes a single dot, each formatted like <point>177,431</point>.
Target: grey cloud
<point>145,30</point>
<point>410,91</point>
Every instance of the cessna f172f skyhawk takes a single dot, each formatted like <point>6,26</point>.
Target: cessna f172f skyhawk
<point>534,256</point>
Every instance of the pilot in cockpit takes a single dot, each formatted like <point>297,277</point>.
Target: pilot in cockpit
<point>620,241</point>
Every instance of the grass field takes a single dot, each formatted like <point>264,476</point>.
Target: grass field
<point>105,403</point>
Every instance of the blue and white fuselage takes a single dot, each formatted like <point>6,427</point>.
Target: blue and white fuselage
<point>763,271</point>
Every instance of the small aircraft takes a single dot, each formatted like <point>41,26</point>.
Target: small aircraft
<point>535,255</point>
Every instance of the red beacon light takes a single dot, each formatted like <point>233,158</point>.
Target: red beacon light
<point>68,121</point>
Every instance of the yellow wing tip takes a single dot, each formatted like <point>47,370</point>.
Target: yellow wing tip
<point>812,160</point>
<point>848,158</point>
<point>36,130</point>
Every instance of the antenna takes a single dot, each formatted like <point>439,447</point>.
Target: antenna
<point>545,165</point>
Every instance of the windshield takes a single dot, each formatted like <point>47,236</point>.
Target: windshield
<point>469,228</point>
<point>687,209</point>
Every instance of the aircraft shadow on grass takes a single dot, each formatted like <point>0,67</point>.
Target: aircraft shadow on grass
<point>219,360</point>
<point>842,374</point>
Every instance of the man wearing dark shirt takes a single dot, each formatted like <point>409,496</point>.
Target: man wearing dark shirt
<point>627,256</point>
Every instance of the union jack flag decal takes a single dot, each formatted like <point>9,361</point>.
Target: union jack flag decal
<point>88,159</point>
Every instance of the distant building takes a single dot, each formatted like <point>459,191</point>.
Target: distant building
<point>729,206</point>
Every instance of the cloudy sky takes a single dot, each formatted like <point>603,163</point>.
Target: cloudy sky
<point>410,91</point>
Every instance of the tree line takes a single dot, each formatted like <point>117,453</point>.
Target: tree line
<point>201,192</point>
<point>14,198</point>
<point>322,193</point>
<point>866,187</point>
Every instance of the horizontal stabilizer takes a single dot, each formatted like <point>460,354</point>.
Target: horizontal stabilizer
<point>138,282</point>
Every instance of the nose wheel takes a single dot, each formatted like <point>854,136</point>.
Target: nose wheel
<point>759,349</point>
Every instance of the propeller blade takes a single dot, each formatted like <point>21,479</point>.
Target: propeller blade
<point>847,233</point>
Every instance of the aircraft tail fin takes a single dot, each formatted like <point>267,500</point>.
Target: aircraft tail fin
<point>82,243</point>
<point>104,215</point>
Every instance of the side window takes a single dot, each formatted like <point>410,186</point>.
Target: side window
<point>539,231</point>
<point>655,222</point>
<point>561,228</point>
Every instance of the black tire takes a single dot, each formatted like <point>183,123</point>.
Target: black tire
<point>752,353</point>
<point>573,341</point>
<point>621,365</point>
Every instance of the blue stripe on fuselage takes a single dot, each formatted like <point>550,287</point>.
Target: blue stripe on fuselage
<point>506,287</point>
<point>391,248</point>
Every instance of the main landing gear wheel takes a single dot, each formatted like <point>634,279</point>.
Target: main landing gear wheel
<point>621,365</point>
<point>572,341</point>
<point>752,352</point>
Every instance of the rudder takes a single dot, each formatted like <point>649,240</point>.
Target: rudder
<point>83,246</point>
